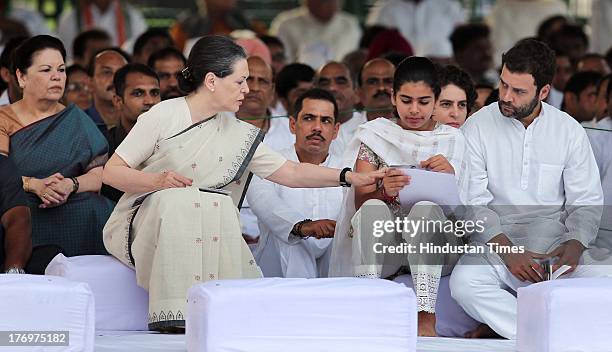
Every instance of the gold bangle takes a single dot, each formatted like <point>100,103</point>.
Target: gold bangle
<point>26,183</point>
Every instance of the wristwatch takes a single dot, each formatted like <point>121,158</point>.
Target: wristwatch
<point>75,184</point>
<point>15,270</point>
<point>343,181</point>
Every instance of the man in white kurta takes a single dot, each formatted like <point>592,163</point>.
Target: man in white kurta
<point>316,33</point>
<point>535,183</point>
<point>279,208</point>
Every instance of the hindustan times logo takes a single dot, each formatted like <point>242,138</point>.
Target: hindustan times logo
<point>413,227</point>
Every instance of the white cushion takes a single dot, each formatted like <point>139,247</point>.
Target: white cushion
<point>451,319</point>
<point>274,314</point>
<point>120,303</point>
<point>47,303</point>
<point>565,315</point>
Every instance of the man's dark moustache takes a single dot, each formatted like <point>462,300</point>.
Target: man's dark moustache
<point>315,135</point>
<point>381,93</point>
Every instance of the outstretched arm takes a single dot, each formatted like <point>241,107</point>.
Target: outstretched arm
<point>304,175</point>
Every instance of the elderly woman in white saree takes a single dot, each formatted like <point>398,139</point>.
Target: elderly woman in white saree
<point>184,167</point>
<point>416,140</point>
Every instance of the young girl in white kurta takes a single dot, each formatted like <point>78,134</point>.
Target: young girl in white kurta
<point>413,139</point>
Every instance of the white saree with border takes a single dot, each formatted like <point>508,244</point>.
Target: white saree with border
<point>178,237</point>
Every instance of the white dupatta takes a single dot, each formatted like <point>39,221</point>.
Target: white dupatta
<point>395,146</point>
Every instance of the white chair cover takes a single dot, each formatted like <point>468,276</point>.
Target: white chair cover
<point>565,315</point>
<point>47,303</point>
<point>301,315</point>
<point>120,303</point>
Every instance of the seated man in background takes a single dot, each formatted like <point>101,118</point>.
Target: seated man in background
<point>147,43</point>
<point>16,254</point>
<point>254,110</point>
<point>335,77</point>
<point>87,44</point>
<point>563,71</point>
<point>136,91</point>
<point>473,52</point>
<point>594,62</point>
<point>168,63</point>
<point>102,69</point>
<point>291,82</point>
<point>375,88</point>
<point>580,97</point>
<point>78,87</point>
<point>297,223</point>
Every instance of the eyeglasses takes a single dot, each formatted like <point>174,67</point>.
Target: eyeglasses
<point>77,87</point>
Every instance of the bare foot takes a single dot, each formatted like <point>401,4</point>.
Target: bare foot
<point>427,324</point>
<point>482,331</point>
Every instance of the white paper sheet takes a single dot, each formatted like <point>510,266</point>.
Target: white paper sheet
<point>438,187</point>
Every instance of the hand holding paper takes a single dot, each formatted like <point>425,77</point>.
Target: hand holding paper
<point>394,181</point>
<point>438,163</point>
<point>437,187</point>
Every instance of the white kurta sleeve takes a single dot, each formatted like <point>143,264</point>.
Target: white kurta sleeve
<point>479,195</point>
<point>272,211</point>
<point>583,193</point>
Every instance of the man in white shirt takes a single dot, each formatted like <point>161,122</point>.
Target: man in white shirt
<point>335,77</point>
<point>426,24</point>
<point>534,182</point>
<point>297,224</point>
<point>122,21</point>
<point>317,32</point>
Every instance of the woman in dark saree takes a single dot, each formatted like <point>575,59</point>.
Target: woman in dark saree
<point>58,151</point>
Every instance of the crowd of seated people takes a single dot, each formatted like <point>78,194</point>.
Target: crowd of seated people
<point>323,90</point>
